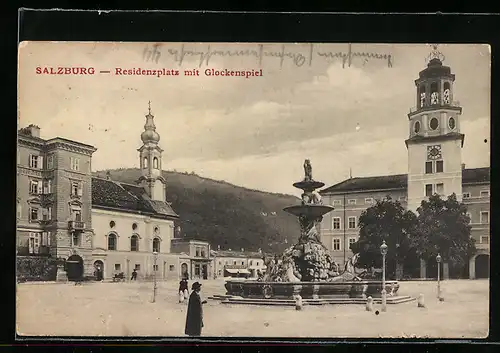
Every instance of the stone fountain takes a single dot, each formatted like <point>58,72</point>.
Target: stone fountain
<point>306,268</point>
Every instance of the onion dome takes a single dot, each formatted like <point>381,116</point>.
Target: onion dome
<point>150,135</point>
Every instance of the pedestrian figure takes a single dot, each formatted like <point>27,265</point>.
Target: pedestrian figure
<point>134,275</point>
<point>183,290</point>
<point>194,318</point>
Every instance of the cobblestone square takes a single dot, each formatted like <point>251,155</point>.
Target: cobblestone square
<point>124,309</point>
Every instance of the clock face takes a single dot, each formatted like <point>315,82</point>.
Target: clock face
<point>434,98</point>
<point>446,96</point>
<point>434,152</point>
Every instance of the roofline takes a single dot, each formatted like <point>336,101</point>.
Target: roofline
<point>115,181</point>
<point>126,210</point>
<point>57,139</point>
<point>457,136</point>
<point>359,191</point>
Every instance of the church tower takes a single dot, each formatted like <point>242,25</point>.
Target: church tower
<point>435,142</point>
<point>150,161</point>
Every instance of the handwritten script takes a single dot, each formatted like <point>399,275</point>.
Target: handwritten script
<point>154,53</point>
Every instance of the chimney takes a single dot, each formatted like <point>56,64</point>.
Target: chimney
<point>31,130</point>
<point>108,175</point>
<point>463,166</point>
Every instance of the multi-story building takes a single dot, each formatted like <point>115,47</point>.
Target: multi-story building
<point>64,211</point>
<point>54,188</point>
<point>434,167</point>
<point>195,258</point>
<point>242,263</point>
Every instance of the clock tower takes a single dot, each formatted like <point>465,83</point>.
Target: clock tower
<point>150,161</point>
<point>435,142</point>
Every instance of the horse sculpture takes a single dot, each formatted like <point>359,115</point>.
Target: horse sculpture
<point>349,273</point>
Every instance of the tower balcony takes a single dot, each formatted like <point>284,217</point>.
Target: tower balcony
<point>452,105</point>
<point>76,225</point>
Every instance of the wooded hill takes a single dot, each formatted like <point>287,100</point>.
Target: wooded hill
<point>223,214</point>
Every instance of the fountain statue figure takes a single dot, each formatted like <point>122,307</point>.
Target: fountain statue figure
<point>309,259</point>
<point>306,268</point>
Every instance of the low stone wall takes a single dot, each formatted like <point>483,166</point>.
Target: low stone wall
<point>35,268</point>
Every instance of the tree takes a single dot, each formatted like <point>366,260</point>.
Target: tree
<point>443,227</point>
<point>386,220</point>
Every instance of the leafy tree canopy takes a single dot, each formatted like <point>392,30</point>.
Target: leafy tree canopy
<point>443,227</point>
<point>386,220</point>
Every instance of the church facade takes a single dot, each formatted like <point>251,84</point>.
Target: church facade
<point>65,212</point>
<point>434,146</point>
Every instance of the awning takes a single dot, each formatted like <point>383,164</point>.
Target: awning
<point>235,270</point>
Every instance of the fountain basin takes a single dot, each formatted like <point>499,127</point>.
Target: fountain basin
<point>309,290</point>
<point>310,211</point>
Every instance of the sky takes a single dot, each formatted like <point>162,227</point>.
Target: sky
<point>253,132</point>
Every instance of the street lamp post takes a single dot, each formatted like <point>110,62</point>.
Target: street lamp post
<point>155,254</point>
<point>383,251</point>
<point>438,260</point>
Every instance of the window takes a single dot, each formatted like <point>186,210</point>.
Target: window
<point>466,195</point>
<point>111,241</point>
<point>242,263</point>
<point>352,222</point>
<point>155,163</point>
<point>134,243</point>
<point>439,166</point>
<point>34,214</point>
<point>484,193</point>
<point>50,162</point>
<point>45,238</point>
<point>250,263</point>
<point>368,201</point>
<point>171,267</point>
<point>19,211</point>
<point>440,189</point>
<point>75,163</point>
<point>197,251</point>
<point>76,215</point>
<point>145,162</point>
<point>428,167</point>
<point>202,252</point>
<point>134,226</point>
<point>112,224</point>
<point>451,123</point>
<point>351,202</point>
<point>351,241</point>
<point>76,239</point>
<point>34,243</point>
<point>47,214</point>
<point>336,244</point>
<point>76,189</point>
<point>485,217</point>
<point>155,268</point>
<point>336,222</point>
<point>156,245</point>
<point>47,187</point>
<point>35,187</point>
<point>484,239</point>
<point>118,267</point>
<point>234,262</point>
<point>137,267</point>
<point>36,161</point>
<point>416,127</point>
<point>428,190</point>
<point>337,202</point>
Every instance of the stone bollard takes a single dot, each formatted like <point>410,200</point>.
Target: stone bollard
<point>298,302</point>
<point>420,301</point>
<point>369,304</point>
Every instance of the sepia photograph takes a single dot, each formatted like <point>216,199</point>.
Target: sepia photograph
<point>286,190</point>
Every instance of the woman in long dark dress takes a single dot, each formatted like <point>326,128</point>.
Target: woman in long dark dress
<point>194,318</point>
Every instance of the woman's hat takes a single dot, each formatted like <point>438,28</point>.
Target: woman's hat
<point>196,285</point>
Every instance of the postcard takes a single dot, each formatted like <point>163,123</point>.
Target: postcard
<point>322,190</point>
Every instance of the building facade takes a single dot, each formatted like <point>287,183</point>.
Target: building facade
<point>435,166</point>
<point>65,212</point>
<point>228,263</point>
<point>194,258</point>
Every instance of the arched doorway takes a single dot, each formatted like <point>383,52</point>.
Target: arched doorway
<point>184,271</point>
<point>74,267</point>
<point>482,266</point>
<point>99,270</point>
